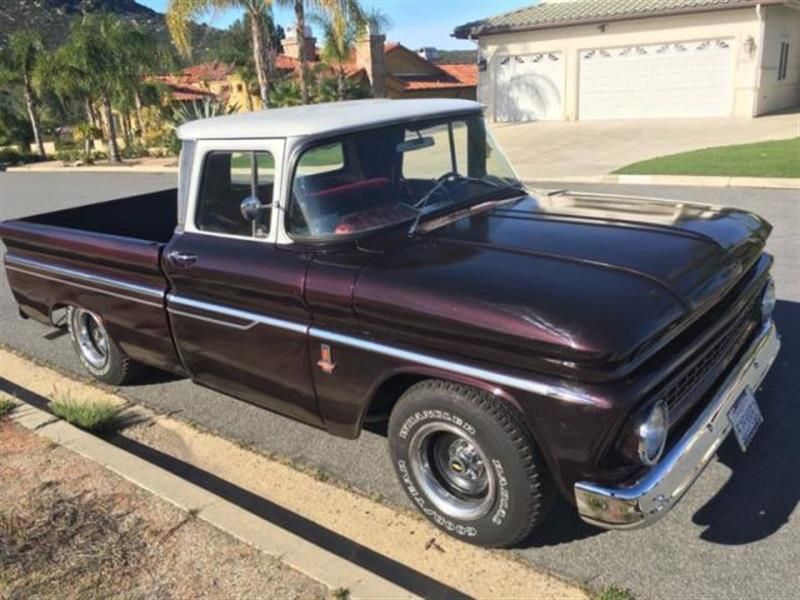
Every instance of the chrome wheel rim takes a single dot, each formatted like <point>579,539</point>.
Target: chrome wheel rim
<point>452,470</point>
<point>92,338</point>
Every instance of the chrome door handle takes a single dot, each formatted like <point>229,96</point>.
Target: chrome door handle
<point>181,259</point>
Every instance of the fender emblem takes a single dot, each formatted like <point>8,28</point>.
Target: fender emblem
<point>325,363</point>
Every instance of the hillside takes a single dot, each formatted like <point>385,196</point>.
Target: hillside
<point>53,18</point>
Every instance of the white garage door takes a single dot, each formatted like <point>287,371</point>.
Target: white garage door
<point>529,87</point>
<point>687,79</point>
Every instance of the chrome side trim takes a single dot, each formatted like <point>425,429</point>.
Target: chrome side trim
<point>561,393</point>
<point>85,287</point>
<point>644,501</point>
<point>78,274</point>
<point>251,318</point>
<point>182,313</point>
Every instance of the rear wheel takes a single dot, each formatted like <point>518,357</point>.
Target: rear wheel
<point>97,351</point>
<point>469,463</point>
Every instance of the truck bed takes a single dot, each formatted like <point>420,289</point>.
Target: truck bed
<point>151,217</point>
<point>104,257</point>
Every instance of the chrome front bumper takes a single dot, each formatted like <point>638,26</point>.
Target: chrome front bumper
<point>645,500</point>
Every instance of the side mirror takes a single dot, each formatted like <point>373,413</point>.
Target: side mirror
<point>251,207</point>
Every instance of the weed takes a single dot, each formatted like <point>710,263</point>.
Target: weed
<point>614,592</point>
<point>341,594</point>
<point>6,406</point>
<point>98,417</point>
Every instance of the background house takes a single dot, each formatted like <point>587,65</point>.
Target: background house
<point>394,71</point>
<point>620,59</point>
<point>384,69</point>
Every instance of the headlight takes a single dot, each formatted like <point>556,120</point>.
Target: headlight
<point>652,434</point>
<point>768,300</point>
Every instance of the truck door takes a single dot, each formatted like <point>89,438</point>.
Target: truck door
<point>235,302</point>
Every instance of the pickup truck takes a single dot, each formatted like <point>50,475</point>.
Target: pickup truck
<point>379,260</point>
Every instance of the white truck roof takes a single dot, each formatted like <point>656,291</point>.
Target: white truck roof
<point>319,119</point>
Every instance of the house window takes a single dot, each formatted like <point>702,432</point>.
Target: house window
<point>783,61</point>
<point>239,87</point>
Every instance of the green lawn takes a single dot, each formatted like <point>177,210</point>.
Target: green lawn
<point>322,156</point>
<point>777,158</point>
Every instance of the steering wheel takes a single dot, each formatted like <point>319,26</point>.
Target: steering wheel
<point>446,176</point>
<point>440,181</point>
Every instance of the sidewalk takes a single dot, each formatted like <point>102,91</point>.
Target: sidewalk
<point>70,528</point>
<point>265,501</point>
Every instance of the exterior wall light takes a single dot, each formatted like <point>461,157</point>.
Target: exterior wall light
<point>750,45</point>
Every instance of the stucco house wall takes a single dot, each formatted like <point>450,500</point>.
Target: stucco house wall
<point>781,24</point>
<point>754,63</point>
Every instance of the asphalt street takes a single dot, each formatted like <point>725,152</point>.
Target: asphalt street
<point>736,534</point>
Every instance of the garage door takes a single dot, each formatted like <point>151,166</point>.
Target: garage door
<point>688,79</point>
<point>529,87</point>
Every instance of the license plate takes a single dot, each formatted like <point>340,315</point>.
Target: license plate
<point>745,417</point>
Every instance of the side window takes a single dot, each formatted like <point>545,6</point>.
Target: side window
<point>229,178</point>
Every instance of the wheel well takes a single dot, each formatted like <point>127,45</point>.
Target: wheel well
<point>58,314</point>
<point>387,395</point>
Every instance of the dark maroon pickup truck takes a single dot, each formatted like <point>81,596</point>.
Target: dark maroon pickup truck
<point>379,260</point>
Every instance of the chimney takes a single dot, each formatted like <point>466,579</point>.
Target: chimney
<point>291,47</point>
<point>370,55</point>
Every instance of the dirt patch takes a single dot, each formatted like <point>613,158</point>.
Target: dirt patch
<point>71,529</point>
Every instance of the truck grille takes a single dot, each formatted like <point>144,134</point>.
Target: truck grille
<point>690,383</point>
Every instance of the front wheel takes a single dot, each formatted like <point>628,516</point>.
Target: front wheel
<point>469,463</point>
<point>97,351</point>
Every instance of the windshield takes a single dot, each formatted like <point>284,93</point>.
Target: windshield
<point>373,179</point>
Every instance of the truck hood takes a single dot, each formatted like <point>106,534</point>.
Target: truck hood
<point>580,278</point>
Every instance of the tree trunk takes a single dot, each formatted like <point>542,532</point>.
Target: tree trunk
<point>88,143</point>
<point>259,57</point>
<point>300,22</point>
<point>137,116</point>
<point>341,83</point>
<point>113,149</point>
<point>248,97</point>
<point>33,115</point>
<point>126,128</point>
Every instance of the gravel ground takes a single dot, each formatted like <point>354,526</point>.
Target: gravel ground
<point>71,529</point>
<point>736,534</point>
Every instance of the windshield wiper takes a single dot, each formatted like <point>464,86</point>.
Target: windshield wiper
<point>461,179</point>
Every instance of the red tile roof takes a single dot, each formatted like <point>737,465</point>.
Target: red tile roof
<point>180,90</point>
<point>465,73</point>
<point>213,71</point>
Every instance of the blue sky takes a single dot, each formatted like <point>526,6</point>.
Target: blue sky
<point>414,23</point>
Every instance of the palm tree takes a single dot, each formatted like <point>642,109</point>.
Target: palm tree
<point>18,66</point>
<point>179,18</point>
<point>139,56</point>
<point>287,93</point>
<point>342,23</point>
<point>300,25</point>
<point>96,58</point>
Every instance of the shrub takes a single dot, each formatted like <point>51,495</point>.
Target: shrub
<point>6,406</point>
<point>134,151</point>
<point>13,157</point>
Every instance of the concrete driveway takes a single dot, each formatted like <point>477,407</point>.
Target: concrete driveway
<point>734,535</point>
<point>561,149</point>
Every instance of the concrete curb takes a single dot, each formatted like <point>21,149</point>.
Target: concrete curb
<point>677,180</point>
<point>319,564</point>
